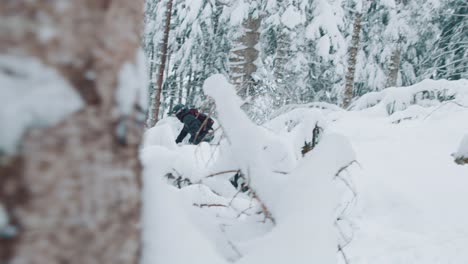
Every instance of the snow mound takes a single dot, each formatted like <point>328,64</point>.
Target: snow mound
<point>163,133</point>
<point>325,107</point>
<point>33,94</point>
<point>165,216</point>
<point>461,156</point>
<point>426,93</point>
<point>305,212</point>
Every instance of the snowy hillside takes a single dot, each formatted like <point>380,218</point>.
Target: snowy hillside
<point>410,192</point>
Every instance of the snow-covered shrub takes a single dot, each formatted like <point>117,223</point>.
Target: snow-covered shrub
<point>296,127</point>
<point>461,156</point>
<point>292,200</point>
<point>425,93</point>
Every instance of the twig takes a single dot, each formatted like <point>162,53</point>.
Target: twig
<point>351,188</point>
<point>340,249</point>
<point>234,197</point>
<point>220,173</point>
<point>443,104</point>
<point>341,216</point>
<point>209,205</point>
<point>244,211</point>
<point>345,167</point>
<point>230,243</point>
<point>281,172</point>
<point>265,210</point>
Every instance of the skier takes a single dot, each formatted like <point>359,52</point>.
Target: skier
<point>197,124</point>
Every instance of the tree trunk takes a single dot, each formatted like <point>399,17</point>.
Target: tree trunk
<point>162,66</point>
<point>181,87</point>
<point>73,189</point>
<point>242,59</point>
<point>281,58</point>
<point>394,68</point>
<point>352,51</point>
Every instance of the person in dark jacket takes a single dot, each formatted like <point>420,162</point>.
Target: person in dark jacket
<point>192,125</point>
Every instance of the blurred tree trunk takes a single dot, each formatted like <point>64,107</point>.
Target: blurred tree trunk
<point>352,59</point>
<point>73,190</point>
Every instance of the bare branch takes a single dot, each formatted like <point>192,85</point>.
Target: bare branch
<point>442,105</point>
<point>221,173</point>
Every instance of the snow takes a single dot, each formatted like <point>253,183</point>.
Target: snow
<point>33,94</point>
<point>323,47</point>
<point>410,193</point>
<point>425,93</point>
<point>327,22</point>
<point>295,127</point>
<point>305,213</point>
<point>224,224</point>
<point>239,12</point>
<point>132,85</point>
<point>291,17</point>
<point>164,216</point>
<point>462,152</point>
<point>6,230</point>
<point>3,217</point>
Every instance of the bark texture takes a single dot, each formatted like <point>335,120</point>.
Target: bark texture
<point>156,98</point>
<point>73,191</point>
<point>352,59</point>
<point>242,59</point>
<point>394,67</point>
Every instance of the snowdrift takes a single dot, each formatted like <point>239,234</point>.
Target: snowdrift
<point>425,93</point>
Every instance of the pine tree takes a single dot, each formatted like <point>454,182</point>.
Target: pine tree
<point>449,57</point>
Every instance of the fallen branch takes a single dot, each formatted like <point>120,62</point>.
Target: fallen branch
<point>209,205</point>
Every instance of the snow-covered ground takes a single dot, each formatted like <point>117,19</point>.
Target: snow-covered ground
<point>411,195</point>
